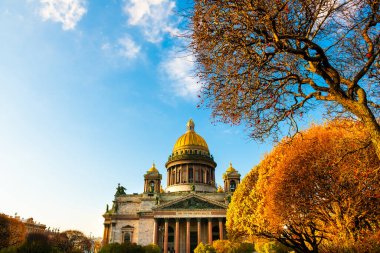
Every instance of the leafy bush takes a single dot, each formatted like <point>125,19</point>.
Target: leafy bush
<point>36,243</point>
<point>245,247</point>
<point>122,248</point>
<point>204,248</point>
<point>270,247</point>
<point>112,248</point>
<point>152,248</point>
<point>12,249</point>
<point>222,246</point>
<point>132,248</point>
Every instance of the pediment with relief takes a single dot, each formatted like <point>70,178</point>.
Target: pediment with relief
<point>192,203</point>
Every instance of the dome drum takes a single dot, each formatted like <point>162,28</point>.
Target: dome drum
<point>203,159</point>
<point>189,187</point>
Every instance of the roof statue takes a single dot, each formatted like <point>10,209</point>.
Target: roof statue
<point>120,190</point>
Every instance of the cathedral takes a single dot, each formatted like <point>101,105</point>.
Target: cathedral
<point>190,210</point>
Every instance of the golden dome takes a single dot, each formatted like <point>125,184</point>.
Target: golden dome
<point>153,169</point>
<point>190,140</point>
<point>230,169</point>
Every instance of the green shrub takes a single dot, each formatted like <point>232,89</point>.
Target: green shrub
<point>132,248</point>
<point>112,248</point>
<point>152,248</point>
<point>36,243</point>
<point>245,247</point>
<point>9,250</point>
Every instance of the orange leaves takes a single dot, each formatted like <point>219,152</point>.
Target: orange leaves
<point>321,181</point>
<point>12,231</point>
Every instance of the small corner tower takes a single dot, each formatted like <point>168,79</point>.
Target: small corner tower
<point>152,180</point>
<point>231,179</point>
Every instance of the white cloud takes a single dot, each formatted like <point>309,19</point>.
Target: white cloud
<point>124,47</point>
<point>179,69</point>
<point>155,17</point>
<point>66,12</point>
<point>128,48</point>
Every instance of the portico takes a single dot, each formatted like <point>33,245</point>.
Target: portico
<point>184,234</point>
<point>183,223</point>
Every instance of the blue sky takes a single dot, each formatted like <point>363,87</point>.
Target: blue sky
<point>91,93</point>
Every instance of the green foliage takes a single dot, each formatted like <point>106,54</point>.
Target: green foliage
<point>36,243</point>
<point>152,248</point>
<point>123,248</point>
<point>245,247</point>
<point>270,247</point>
<point>132,248</point>
<point>112,248</point>
<point>204,248</point>
<point>12,249</point>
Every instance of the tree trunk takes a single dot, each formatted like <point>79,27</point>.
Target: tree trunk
<point>373,129</point>
<point>362,111</point>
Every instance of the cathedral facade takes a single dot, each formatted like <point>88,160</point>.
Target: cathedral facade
<point>190,210</point>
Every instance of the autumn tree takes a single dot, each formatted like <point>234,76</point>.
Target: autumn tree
<point>314,193</point>
<point>12,231</point>
<point>267,63</point>
<point>60,241</point>
<point>36,242</point>
<point>76,240</point>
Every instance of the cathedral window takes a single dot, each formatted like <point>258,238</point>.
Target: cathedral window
<point>232,186</point>
<point>127,232</point>
<point>191,175</point>
<point>151,188</point>
<point>127,237</point>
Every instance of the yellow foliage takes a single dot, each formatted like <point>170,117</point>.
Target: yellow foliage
<point>322,184</point>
